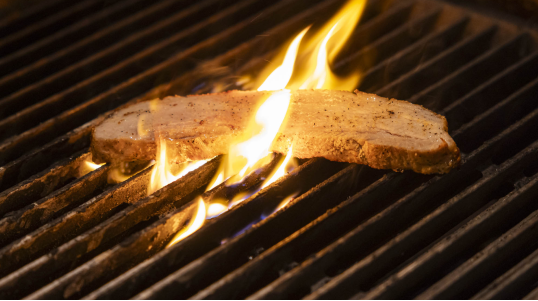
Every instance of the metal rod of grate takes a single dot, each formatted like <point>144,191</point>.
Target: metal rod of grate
<point>352,231</point>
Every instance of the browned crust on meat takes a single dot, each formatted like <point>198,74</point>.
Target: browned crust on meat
<point>441,160</point>
<point>334,148</point>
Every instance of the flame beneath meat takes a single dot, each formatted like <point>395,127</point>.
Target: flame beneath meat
<point>87,167</point>
<point>164,172</point>
<point>194,224</point>
<point>303,66</point>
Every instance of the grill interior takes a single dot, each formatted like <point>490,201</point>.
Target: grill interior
<point>352,232</point>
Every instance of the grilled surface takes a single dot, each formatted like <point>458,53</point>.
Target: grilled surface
<point>336,125</point>
<point>352,232</point>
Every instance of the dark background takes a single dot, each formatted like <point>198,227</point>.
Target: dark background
<point>526,9</point>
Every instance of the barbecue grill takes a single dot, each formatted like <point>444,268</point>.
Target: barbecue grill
<point>351,231</point>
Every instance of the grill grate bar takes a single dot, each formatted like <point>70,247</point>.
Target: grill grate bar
<point>488,150</point>
<point>20,39</point>
<point>110,56</point>
<point>450,88</point>
<point>140,209</point>
<point>515,283</point>
<point>40,184</point>
<point>237,251</point>
<point>139,246</point>
<point>57,103</point>
<point>92,32</point>
<point>141,83</point>
<point>441,65</point>
<point>40,10</point>
<point>215,230</point>
<point>22,221</point>
<point>515,241</point>
<point>411,56</point>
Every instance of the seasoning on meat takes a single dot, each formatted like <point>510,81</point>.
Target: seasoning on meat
<point>340,126</point>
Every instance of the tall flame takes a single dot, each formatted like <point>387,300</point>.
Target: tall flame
<point>245,155</point>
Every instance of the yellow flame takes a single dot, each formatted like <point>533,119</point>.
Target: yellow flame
<point>246,154</point>
<point>215,209</point>
<point>269,117</point>
<point>194,224</point>
<point>87,167</point>
<point>286,163</point>
<point>280,77</point>
<point>286,200</point>
<point>315,70</point>
<point>162,174</point>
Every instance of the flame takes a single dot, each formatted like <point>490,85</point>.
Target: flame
<point>215,209</point>
<point>323,48</point>
<point>87,167</point>
<point>195,223</point>
<point>162,174</point>
<point>313,70</point>
<point>287,163</point>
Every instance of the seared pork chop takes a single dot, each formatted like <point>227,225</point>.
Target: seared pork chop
<point>340,126</point>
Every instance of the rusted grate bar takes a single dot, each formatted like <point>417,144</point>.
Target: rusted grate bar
<point>112,223</point>
<point>24,220</point>
<point>40,184</point>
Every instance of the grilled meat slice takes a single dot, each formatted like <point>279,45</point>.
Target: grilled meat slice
<point>340,126</point>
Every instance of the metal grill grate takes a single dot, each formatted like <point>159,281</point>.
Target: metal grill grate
<point>353,232</point>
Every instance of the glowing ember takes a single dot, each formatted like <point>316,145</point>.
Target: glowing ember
<point>194,224</point>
